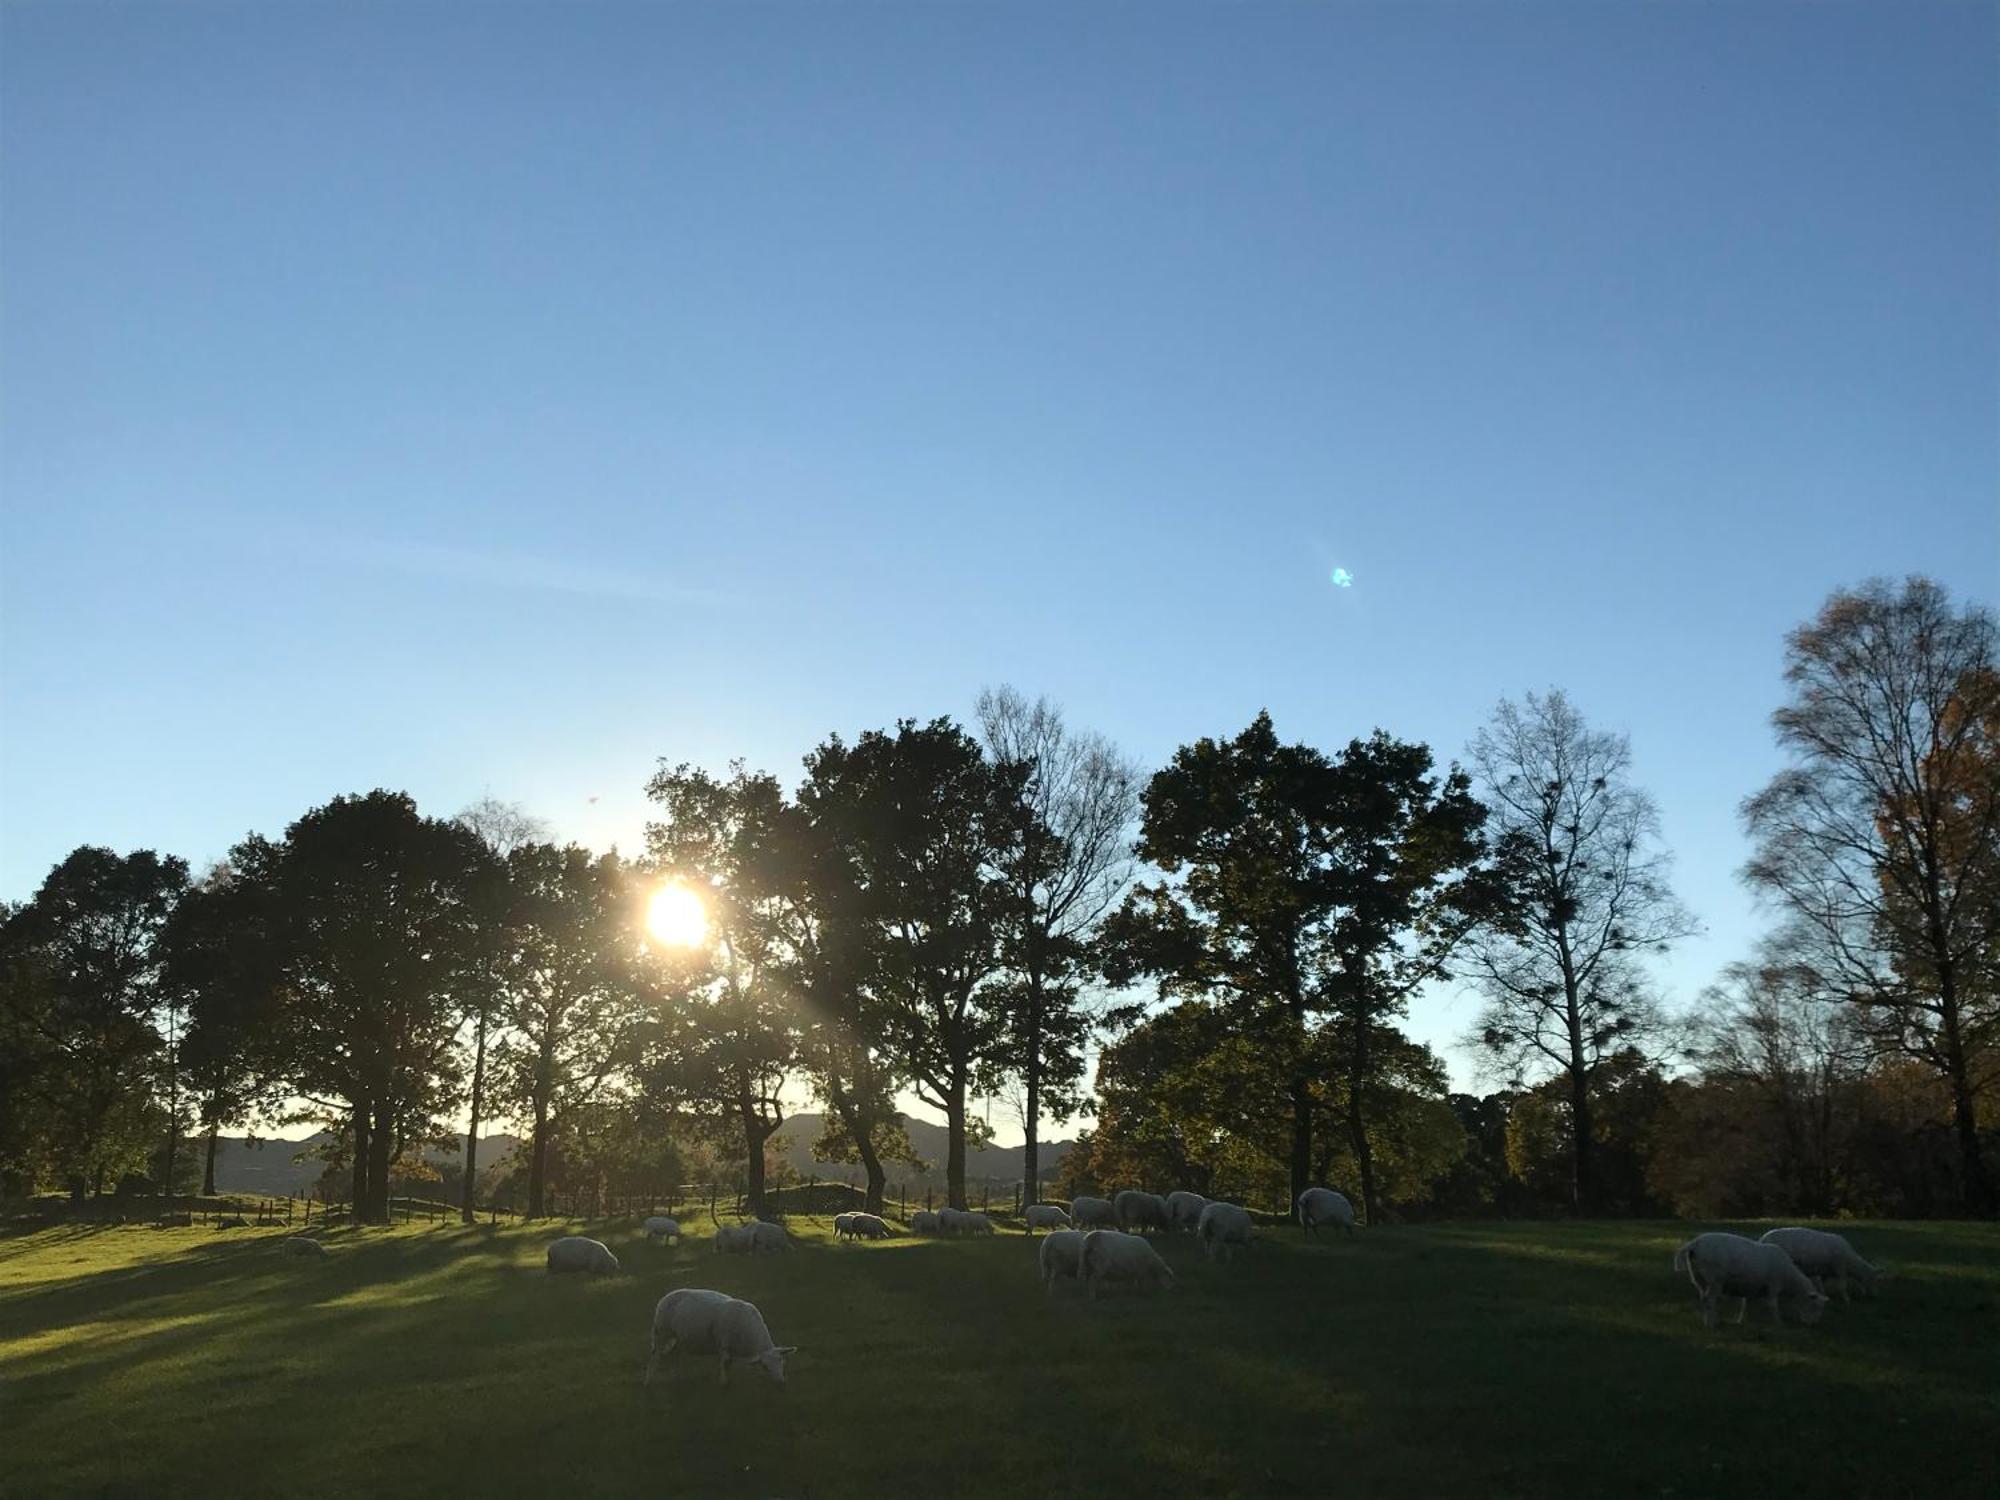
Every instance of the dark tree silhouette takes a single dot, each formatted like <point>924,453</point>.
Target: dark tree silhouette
<point>1587,898</point>
<point>927,824</point>
<point>90,939</point>
<point>502,827</point>
<point>1304,890</point>
<point>1067,865</point>
<point>573,990</point>
<point>1880,843</point>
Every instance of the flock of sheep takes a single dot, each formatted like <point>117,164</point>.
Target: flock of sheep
<point>1096,1241</point>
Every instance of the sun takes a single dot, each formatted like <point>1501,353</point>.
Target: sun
<point>676,917</point>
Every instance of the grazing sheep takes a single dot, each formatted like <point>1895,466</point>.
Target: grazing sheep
<point>1318,1205</point>
<point>964,1221</point>
<point>575,1253</point>
<point>1825,1256</point>
<point>1727,1265</point>
<point>925,1221</point>
<point>660,1227</point>
<point>1184,1209</point>
<point>1093,1213</point>
<point>766,1236</point>
<point>1044,1216</point>
<point>1138,1210</point>
<point>705,1322</point>
<point>237,1222</point>
<point>1222,1227</point>
<point>857,1225</point>
<point>1061,1255</point>
<point>732,1239</point>
<point>1111,1255</point>
<point>299,1244</point>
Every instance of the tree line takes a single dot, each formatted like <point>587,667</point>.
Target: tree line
<point>969,913</point>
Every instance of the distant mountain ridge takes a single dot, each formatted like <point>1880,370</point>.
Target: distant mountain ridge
<point>247,1165</point>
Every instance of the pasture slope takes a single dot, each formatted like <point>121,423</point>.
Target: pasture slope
<point>1462,1360</point>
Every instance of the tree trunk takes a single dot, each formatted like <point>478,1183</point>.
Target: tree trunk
<point>860,1129</point>
<point>755,1133</point>
<point>208,1162</point>
<point>380,1142</point>
<point>359,1196</point>
<point>538,1159</point>
<point>1302,1136</point>
<point>1357,1123</point>
<point>954,1155</point>
<point>1031,1176</point>
<point>1978,1189</point>
<point>465,1208</point>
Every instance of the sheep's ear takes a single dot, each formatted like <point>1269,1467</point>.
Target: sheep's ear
<point>786,1349</point>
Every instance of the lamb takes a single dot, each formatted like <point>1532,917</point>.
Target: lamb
<point>575,1253</point>
<point>705,1322</point>
<point>300,1244</point>
<point>1184,1209</point>
<point>1093,1213</point>
<point>964,1221</point>
<point>1825,1256</point>
<point>660,1227</point>
<point>1061,1255</point>
<point>1728,1265</point>
<point>858,1225</point>
<point>1221,1228</point>
<point>1318,1205</point>
<point>1045,1216</point>
<point>1141,1210</point>
<point>1111,1255</point>
<point>925,1221</point>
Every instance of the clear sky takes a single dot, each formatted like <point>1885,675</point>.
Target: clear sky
<point>503,397</point>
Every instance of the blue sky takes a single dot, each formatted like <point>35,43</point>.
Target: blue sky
<point>502,397</point>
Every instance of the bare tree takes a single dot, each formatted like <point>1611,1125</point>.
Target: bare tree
<point>1880,844</point>
<point>1588,897</point>
<point>503,827</point>
<point>1069,867</point>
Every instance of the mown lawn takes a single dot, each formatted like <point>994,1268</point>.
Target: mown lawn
<point>1437,1361</point>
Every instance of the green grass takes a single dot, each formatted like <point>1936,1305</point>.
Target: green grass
<point>1479,1359</point>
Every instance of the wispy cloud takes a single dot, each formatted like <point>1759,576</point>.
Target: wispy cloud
<point>522,570</point>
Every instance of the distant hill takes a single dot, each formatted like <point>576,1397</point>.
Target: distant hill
<point>244,1165</point>
<point>997,1163</point>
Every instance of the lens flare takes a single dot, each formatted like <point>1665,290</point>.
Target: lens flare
<point>1342,579</point>
<point>676,917</point>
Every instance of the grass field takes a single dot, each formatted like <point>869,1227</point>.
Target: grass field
<point>1482,1359</point>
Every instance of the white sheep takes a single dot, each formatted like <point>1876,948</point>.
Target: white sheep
<point>660,1227</point>
<point>705,1322</point>
<point>1318,1205</point>
<point>1044,1216</point>
<point>925,1221</point>
<point>1728,1265</point>
<point>1111,1255</point>
<point>1093,1213</point>
<point>857,1225</point>
<point>964,1221</point>
<point>1825,1256</point>
<point>575,1253</point>
<point>1141,1210</point>
<point>1061,1255</point>
<point>1221,1228</point>
<point>1184,1209</point>
<point>300,1244</point>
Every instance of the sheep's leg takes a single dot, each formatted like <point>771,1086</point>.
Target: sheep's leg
<point>724,1362</point>
<point>1772,1297</point>
<point>1708,1309</point>
<point>1843,1287</point>
<point>1742,1307</point>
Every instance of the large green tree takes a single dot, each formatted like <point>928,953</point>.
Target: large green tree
<point>375,940</point>
<point>1304,892</point>
<point>729,1033</point>
<point>86,952</point>
<point>927,824</point>
<point>571,976</point>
